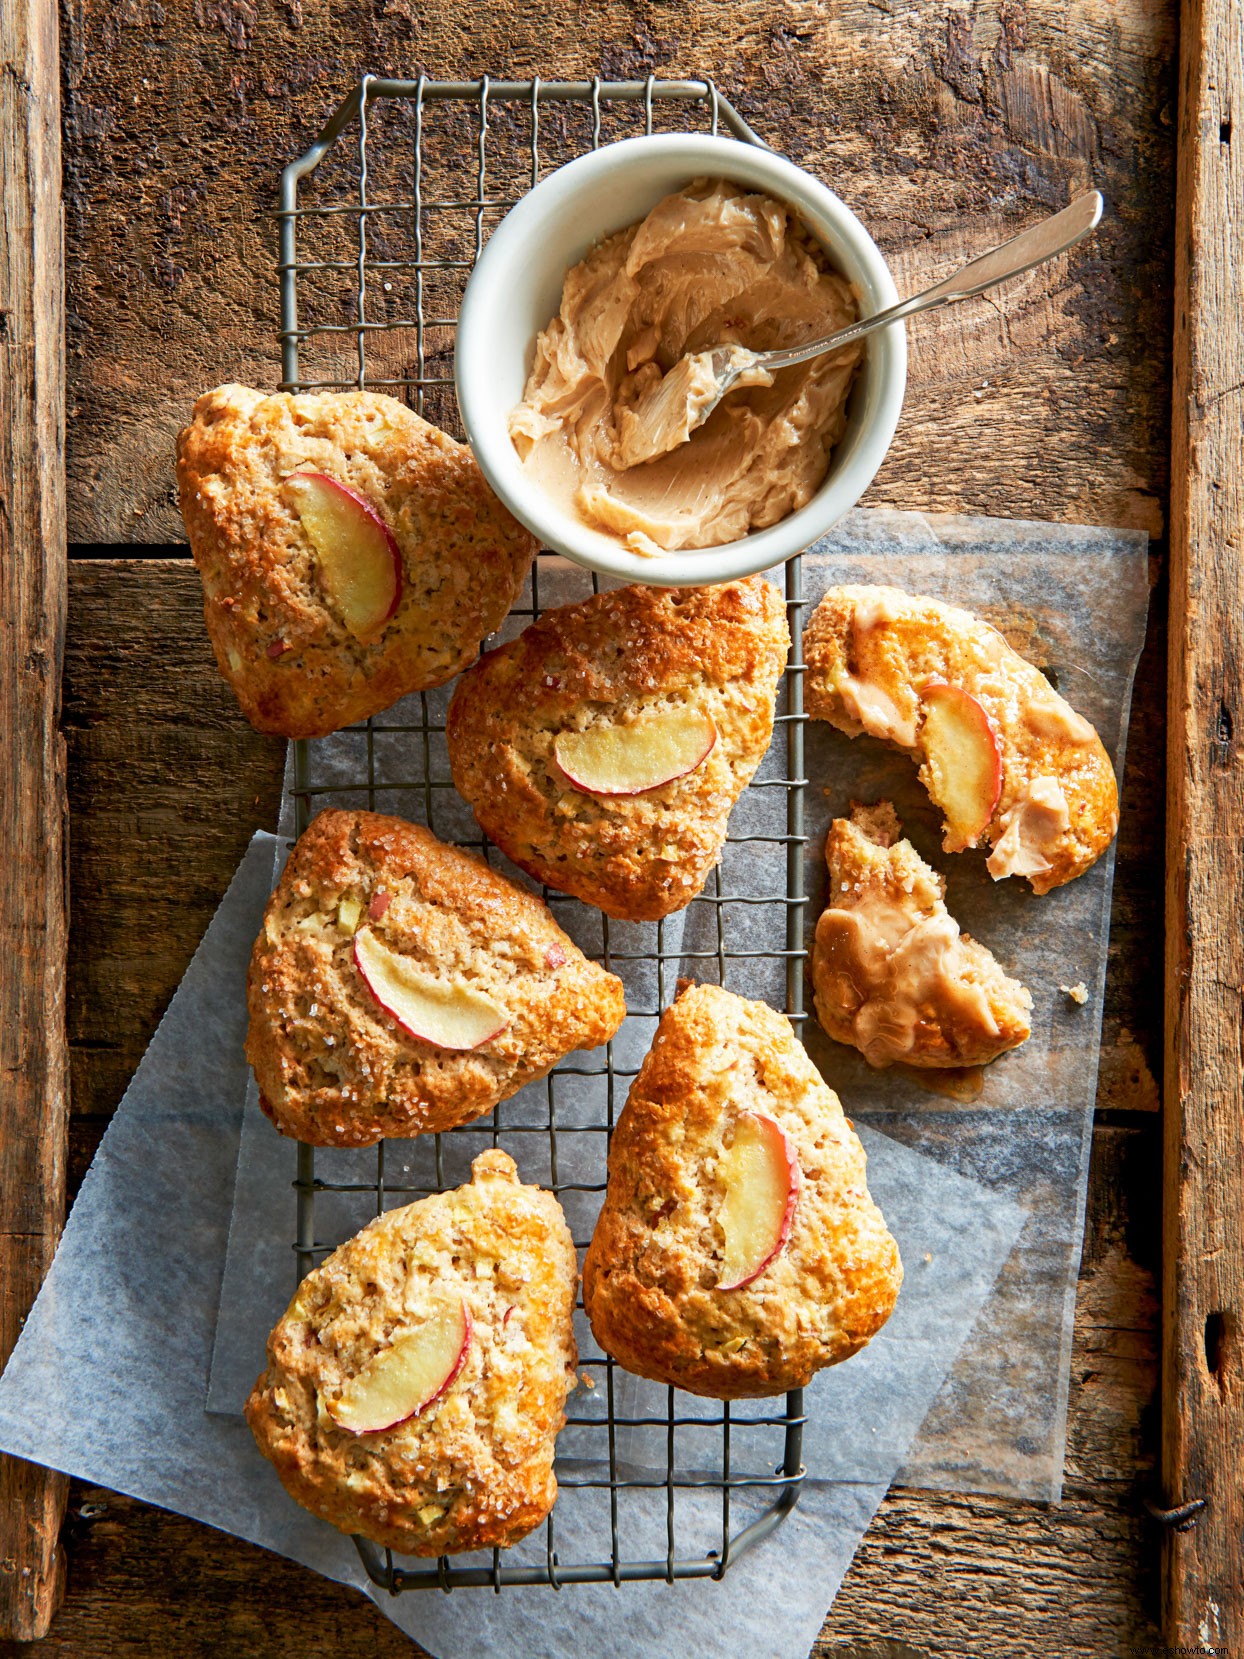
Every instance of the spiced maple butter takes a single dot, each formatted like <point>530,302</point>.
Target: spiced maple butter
<point>713,264</point>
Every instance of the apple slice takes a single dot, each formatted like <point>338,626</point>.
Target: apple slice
<point>962,759</point>
<point>357,558</point>
<point>632,759</point>
<point>403,1380</point>
<point>447,1014</point>
<point>761,1174</point>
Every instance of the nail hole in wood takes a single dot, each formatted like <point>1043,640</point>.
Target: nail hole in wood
<point>1224,734</point>
<point>1217,1333</point>
<point>1224,132</point>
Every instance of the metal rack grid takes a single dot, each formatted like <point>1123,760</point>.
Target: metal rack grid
<point>409,250</point>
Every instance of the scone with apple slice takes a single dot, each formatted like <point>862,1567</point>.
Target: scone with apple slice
<point>604,749</point>
<point>891,973</point>
<point>350,552</point>
<point>738,1250</point>
<point>417,1382</point>
<point>400,986</point>
<point>1008,762</point>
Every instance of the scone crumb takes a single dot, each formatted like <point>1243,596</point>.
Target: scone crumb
<point>588,1382</point>
<point>928,1255</point>
<point>1077,992</point>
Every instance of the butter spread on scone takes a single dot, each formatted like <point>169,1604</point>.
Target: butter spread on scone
<point>417,1382</point>
<point>350,552</point>
<point>604,749</point>
<point>738,1250</point>
<point>1007,760</point>
<point>400,986</point>
<point>891,973</point>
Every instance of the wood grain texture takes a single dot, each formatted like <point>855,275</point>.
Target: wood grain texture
<point>1203,1279</point>
<point>34,1105</point>
<point>167,784</point>
<point>152,735</point>
<point>946,126</point>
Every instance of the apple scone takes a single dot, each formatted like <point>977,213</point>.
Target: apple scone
<point>604,749</point>
<point>417,1382</point>
<point>891,973</point>
<point>399,986</point>
<point>350,552</point>
<point>738,1250</point>
<point>1008,762</point>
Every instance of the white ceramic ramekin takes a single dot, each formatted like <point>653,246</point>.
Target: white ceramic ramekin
<point>516,288</point>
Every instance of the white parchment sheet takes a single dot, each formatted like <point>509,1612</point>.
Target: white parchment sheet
<point>1075,600</point>
<point>108,1378</point>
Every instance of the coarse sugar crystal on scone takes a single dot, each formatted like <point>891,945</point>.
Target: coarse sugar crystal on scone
<point>1009,762</point>
<point>738,1250</point>
<point>417,1382</point>
<point>350,552</point>
<point>400,986</point>
<point>604,749</point>
<point>892,974</point>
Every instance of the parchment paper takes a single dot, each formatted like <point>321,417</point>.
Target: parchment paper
<point>107,1380</point>
<point>1075,600</point>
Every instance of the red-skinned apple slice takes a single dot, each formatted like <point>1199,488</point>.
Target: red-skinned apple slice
<point>359,563</point>
<point>405,1379</point>
<point>632,759</point>
<point>760,1171</point>
<point>445,1013</point>
<point>963,761</point>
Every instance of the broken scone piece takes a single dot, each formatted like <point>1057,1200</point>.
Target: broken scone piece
<point>417,1382</point>
<point>350,552</point>
<point>891,973</point>
<point>738,1250</point>
<point>400,986</point>
<point>604,749</point>
<point>1009,763</point>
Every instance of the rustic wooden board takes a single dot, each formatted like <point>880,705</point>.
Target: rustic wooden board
<point>1203,1278</point>
<point>938,123</point>
<point>941,124</point>
<point>149,728</point>
<point>167,784</point>
<point>33,1096</point>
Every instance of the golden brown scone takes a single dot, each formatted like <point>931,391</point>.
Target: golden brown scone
<point>653,1274</point>
<point>334,1065</point>
<point>891,973</point>
<point>614,660</point>
<point>877,660</point>
<point>279,639</point>
<point>474,1468</point>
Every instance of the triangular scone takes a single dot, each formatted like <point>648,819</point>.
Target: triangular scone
<point>326,608</point>
<point>1009,762</point>
<point>663,697</point>
<point>400,986</point>
<point>417,1382</point>
<point>891,973</point>
<point>738,1250</point>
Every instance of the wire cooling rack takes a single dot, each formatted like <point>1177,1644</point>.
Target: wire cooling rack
<point>400,191</point>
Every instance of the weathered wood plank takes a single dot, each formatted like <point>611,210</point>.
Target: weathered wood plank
<point>1203,1279</point>
<point>167,784</point>
<point>945,126</point>
<point>33,1077</point>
